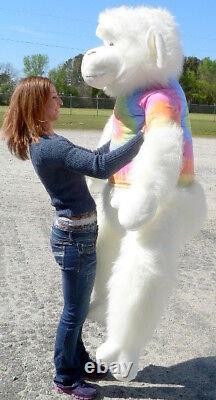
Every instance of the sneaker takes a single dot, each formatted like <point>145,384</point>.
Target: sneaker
<point>80,391</point>
<point>95,374</point>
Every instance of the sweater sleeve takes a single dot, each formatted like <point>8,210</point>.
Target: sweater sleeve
<point>100,163</point>
<point>103,149</point>
<point>100,150</point>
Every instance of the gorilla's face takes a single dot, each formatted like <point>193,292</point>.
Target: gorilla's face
<point>141,49</point>
<point>101,66</point>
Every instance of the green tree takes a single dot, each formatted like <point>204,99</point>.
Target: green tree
<point>68,78</point>
<point>59,78</point>
<point>99,93</point>
<point>199,80</point>
<point>192,64</point>
<point>207,70</point>
<point>208,92</point>
<point>189,83</point>
<point>8,78</point>
<point>189,79</point>
<point>73,70</point>
<point>207,80</point>
<point>74,75</point>
<point>35,65</point>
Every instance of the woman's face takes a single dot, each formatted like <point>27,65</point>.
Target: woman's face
<point>52,107</point>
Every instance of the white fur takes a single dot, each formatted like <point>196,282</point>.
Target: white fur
<point>146,50</point>
<point>142,228</point>
<point>139,277</point>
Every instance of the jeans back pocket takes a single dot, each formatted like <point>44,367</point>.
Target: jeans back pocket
<point>58,250</point>
<point>86,248</point>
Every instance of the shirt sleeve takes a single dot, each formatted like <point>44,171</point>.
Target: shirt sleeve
<point>101,163</point>
<point>162,108</point>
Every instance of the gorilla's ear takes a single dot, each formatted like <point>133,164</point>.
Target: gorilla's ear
<point>156,47</point>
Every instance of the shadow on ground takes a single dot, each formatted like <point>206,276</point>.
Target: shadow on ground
<point>191,380</point>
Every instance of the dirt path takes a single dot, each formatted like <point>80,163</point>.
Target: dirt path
<point>181,358</point>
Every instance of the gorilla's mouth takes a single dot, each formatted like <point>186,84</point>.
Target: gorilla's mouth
<point>95,76</point>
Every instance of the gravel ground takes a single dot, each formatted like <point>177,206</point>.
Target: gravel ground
<point>180,361</point>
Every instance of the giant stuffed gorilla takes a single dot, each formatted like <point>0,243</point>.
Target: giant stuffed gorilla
<point>150,208</point>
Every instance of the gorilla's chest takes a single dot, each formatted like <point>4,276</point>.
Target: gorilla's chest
<point>127,119</point>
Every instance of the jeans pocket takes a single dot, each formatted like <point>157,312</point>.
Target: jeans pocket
<point>58,250</point>
<point>86,243</point>
<point>87,253</point>
<point>65,250</point>
<point>67,256</point>
<point>86,248</point>
<point>58,235</point>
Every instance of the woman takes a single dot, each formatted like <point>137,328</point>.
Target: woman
<point>61,167</point>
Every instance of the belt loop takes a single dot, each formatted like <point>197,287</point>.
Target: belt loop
<point>71,236</point>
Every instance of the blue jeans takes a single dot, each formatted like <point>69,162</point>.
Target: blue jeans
<point>75,252</point>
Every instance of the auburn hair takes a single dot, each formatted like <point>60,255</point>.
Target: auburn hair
<point>23,121</point>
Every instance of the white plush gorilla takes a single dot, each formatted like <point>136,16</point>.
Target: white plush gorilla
<point>154,205</point>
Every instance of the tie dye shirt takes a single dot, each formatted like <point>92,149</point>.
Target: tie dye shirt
<point>152,108</point>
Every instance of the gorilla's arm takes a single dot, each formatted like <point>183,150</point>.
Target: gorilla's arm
<point>156,168</point>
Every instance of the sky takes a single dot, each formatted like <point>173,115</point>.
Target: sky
<point>63,29</point>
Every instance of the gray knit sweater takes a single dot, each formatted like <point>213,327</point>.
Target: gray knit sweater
<point>62,166</point>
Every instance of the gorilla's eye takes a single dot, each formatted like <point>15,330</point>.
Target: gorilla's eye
<point>111,44</point>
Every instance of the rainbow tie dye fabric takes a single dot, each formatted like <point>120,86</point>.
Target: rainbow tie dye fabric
<point>152,108</point>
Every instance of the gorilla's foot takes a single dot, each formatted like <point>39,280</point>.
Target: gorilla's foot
<point>97,312</point>
<point>107,352</point>
<point>123,364</point>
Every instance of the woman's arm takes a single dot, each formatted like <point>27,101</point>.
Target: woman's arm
<point>100,163</point>
<point>100,150</point>
<point>103,149</point>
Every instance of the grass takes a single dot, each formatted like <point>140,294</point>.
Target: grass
<point>87,119</point>
<point>203,124</point>
<point>83,118</point>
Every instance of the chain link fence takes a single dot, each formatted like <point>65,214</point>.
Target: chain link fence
<point>202,108</point>
<point>94,104</point>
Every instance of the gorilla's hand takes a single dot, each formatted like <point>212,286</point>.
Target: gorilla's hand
<point>136,209</point>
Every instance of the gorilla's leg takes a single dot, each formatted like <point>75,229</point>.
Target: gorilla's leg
<point>108,245</point>
<point>144,275</point>
<point>142,279</point>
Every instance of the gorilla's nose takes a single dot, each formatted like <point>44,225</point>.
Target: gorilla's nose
<point>90,52</point>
